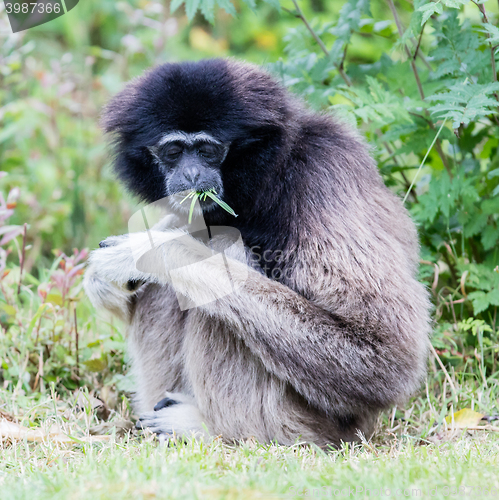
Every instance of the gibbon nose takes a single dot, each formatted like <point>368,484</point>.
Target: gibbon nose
<point>191,174</point>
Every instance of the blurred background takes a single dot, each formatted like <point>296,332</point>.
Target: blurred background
<point>418,78</point>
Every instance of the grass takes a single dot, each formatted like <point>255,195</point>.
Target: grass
<point>142,470</point>
<point>412,451</point>
<point>202,195</point>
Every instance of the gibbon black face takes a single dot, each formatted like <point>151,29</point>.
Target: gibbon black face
<point>190,162</point>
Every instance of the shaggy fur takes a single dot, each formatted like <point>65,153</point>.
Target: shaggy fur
<point>312,345</point>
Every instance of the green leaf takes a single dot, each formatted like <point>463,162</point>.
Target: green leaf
<point>465,102</point>
<point>207,8</point>
<point>376,104</point>
<point>8,309</point>
<point>251,4</point>
<point>220,202</point>
<point>175,4</point>
<point>429,9</point>
<point>490,236</point>
<point>227,6</point>
<point>201,195</point>
<point>479,300</point>
<point>493,32</point>
<point>191,209</point>
<point>459,51</point>
<point>191,7</point>
<point>274,3</point>
<point>493,296</point>
<point>490,207</point>
<point>96,365</point>
<point>35,318</point>
<point>455,4</point>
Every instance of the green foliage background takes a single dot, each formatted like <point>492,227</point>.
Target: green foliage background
<point>419,79</point>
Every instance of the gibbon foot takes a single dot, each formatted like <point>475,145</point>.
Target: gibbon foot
<point>134,285</point>
<point>112,241</point>
<point>173,415</point>
<point>164,403</point>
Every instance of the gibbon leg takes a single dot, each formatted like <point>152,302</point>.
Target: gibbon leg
<point>236,396</point>
<point>155,340</point>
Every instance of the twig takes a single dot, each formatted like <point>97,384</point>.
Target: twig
<point>400,29</point>
<point>422,57</point>
<point>407,51</point>
<point>300,15</point>
<point>483,428</point>
<point>23,255</point>
<point>76,346</point>
<point>435,275</point>
<point>481,8</point>
<point>419,42</point>
<point>342,62</point>
<point>450,265</point>
<point>39,373</point>
<point>446,373</point>
<point>310,29</point>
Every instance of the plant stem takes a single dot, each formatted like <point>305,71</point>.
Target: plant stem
<point>419,42</point>
<point>424,159</point>
<point>300,15</point>
<point>446,373</point>
<point>400,29</point>
<point>481,8</point>
<point>77,347</point>
<point>23,255</point>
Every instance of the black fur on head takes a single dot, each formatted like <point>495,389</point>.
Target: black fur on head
<point>235,103</point>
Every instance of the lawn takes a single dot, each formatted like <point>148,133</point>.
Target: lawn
<point>409,457</point>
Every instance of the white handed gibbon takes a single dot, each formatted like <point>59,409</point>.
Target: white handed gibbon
<point>327,324</point>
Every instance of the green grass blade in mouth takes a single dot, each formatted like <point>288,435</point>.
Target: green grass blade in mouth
<point>202,195</point>
<point>215,198</point>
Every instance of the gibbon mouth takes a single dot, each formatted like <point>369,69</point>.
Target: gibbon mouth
<point>207,205</point>
<point>182,204</point>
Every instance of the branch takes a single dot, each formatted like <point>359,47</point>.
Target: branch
<point>342,62</point>
<point>400,29</point>
<point>481,8</point>
<point>419,42</point>
<point>300,15</point>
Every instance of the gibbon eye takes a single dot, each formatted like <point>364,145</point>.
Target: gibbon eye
<point>208,150</point>
<point>173,151</point>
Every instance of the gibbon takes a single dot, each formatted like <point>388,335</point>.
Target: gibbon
<point>327,324</point>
